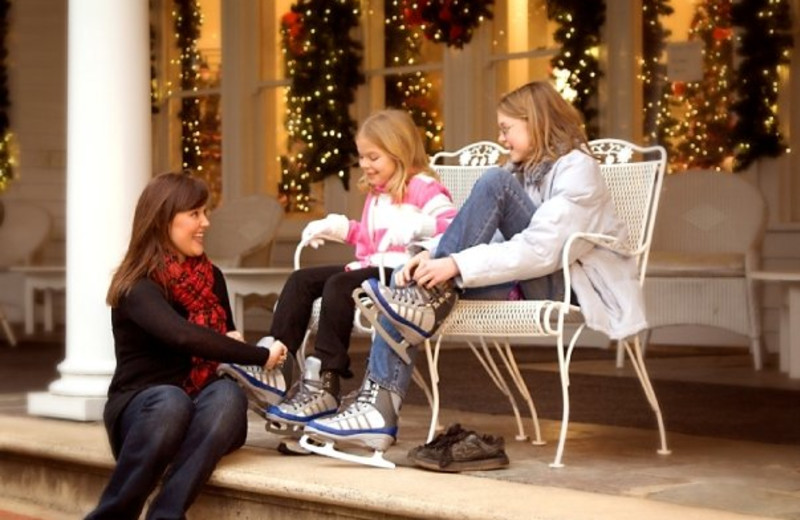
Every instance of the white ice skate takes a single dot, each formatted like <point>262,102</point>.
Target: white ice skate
<point>368,423</point>
<point>263,387</point>
<point>315,397</point>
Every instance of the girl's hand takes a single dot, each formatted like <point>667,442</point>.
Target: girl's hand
<point>405,275</point>
<point>433,272</point>
<point>277,355</point>
<point>235,334</point>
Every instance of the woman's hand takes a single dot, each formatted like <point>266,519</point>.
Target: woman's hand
<point>432,272</point>
<point>277,355</point>
<point>235,334</point>
<point>406,274</point>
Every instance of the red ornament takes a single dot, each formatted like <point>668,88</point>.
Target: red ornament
<point>678,88</point>
<point>722,33</point>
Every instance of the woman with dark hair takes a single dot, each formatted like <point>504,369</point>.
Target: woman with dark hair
<point>169,418</point>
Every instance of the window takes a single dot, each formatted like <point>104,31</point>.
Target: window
<point>188,63</point>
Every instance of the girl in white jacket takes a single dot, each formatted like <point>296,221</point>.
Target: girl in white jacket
<point>506,242</point>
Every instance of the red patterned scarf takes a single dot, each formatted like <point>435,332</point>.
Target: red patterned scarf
<point>191,284</point>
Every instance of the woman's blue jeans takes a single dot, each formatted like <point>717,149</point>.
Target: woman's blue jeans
<point>497,203</point>
<point>166,436</point>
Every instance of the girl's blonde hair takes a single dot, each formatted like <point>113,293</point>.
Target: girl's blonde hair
<point>555,126</point>
<point>394,132</point>
<point>164,196</point>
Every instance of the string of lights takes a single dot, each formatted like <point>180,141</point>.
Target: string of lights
<point>576,68</point>
<point>765,42</point>
<point>656,88</point>
<point>412,91</point>
<point>324,64</point>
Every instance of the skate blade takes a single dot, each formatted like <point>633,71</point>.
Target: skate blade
<point>283,429</point>
<point>371,313</point>
<point>292,447</point>
<point>327,449</point>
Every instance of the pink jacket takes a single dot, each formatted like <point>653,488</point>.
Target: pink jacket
<point>424,195</point>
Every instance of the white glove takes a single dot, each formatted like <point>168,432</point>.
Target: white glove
<point>332,227</point>
<point>409,225</point>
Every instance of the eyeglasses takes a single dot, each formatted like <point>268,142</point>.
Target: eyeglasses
<point>504,130</point>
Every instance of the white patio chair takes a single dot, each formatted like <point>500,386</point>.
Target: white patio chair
<point>24,230</point>
<point>705,245</point>
<point>241,226</point>
<point>633,175</point>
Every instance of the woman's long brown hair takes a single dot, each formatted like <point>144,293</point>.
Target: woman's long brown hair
<point>163,197</point>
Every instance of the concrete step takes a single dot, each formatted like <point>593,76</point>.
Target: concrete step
<point>60,467</point>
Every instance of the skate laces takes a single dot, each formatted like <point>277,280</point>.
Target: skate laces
<point>415,295</point>
<point>364,400</point>
<point>305,394</point>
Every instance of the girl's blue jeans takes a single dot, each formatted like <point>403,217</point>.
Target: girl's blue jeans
<point>496,205</point>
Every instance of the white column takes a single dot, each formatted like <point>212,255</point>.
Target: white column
<point>108,164</point>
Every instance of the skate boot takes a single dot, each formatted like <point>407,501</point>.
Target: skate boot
<point>369,422</point>
<point>414,311</point>
<point>316,396</point>
<point>263,387</point>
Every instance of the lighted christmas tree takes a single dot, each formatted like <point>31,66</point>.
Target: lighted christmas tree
<point>703,136</point>
<point>411,91</point>
<point>324,63</point>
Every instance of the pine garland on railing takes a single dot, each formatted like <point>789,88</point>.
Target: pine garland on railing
<point>7,171</point>
<point>576,67</point>
<point>765,43</point>
<point>324,64</point>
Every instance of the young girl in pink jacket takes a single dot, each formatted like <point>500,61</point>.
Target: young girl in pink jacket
<point>405,202</point>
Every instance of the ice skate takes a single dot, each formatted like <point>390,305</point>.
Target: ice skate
<point>315,397</point>
<point>370,422</point>
<point>414,311</point>
<point>263,387</point>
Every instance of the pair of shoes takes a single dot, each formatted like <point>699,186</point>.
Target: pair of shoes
<point>262,387</point>
<point>415,312</point>
<point>315,397</point>
<point>461,450</point>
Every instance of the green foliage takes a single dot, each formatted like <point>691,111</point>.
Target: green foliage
<point>765,43</point>
<point>324,64</point>
<point>580,22</point>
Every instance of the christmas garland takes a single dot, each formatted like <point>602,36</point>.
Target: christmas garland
<point>324,63</point>
<point>7,173</point>
<point>187,20</point>
<point>451,22</point>
<point>765,43</point>
<point>656,88</point>
<point>411,91</point>
<point>578,34</point>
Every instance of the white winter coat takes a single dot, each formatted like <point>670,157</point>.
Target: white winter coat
<point>574,198</point>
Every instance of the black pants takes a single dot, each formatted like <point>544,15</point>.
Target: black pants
<point>293,311</point>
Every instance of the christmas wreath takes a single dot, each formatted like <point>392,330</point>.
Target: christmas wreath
<point>451,22</point>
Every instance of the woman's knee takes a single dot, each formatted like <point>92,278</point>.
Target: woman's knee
<point>163,415</point>
<point>222,412</point>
